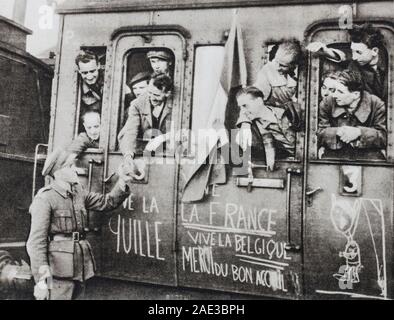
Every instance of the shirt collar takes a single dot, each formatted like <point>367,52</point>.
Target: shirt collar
<point>61,189</point>
<point>271,114</point>
<point>85,87</point>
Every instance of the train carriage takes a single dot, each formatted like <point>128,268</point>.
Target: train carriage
<point>312,228</point>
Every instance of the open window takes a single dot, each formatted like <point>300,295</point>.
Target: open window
<point>355,150</point>
<point>329,33</point>
<point>90,93</point>
<point>138,70</point>
<point>138,118</point>
<point>283,104</point>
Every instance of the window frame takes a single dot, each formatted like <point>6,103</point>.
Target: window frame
<point>330,32</point>
<point>145,38</point>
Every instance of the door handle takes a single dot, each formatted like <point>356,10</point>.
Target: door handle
<point>310,193</point>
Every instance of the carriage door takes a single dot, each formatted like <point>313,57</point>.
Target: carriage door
<point>244,235</point>
<point>138,238</point>
<point>349,198</point>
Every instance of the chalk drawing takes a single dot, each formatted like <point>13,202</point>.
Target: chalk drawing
<point>345,218</point>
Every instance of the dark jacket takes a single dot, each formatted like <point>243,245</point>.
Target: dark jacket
<point>58,211</point>
<point>374,81</point>
<point>139,121</point>
<point>369,116</point>
<point>81,143</point>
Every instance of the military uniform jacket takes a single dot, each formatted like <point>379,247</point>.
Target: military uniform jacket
<point>58,211</point>
<point>139,121</point>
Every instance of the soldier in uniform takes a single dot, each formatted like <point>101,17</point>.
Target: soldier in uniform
<point>61,258</point>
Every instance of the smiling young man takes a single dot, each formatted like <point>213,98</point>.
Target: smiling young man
<point>366,43</point>
<point>264,125</point>
<point>92,81</point>
<point>352,122</point>
<point>149,117</point>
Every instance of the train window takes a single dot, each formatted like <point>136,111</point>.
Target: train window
<point>90,63</point>
<point>352,124</point>
<point>277,125</point>
<point>207,70</point>
<point>146,99</point>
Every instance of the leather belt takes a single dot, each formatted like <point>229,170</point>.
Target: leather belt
<point>75,236</point>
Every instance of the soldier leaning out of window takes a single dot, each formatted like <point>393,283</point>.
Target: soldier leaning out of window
<point>263,124</point>
<point>88,139</point>
<point>277,80</point>
<point>61,257</point>
<point>149,117</point>
<point>366,41</point>
<point>92,81</point>
<point>352,122</point>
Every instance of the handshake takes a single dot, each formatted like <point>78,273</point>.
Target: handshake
<point>131,169</point>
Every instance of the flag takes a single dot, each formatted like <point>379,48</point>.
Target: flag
<point>233,74</point>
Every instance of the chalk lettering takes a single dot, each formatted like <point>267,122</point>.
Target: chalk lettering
<point>211,211</point>
<point>153,208</point>
<point>128,203</point>
<point>136,234</point>
<point>210,239</point>
<point>231,209</point>
<point>194,214</point>
<point>242,274</point>
<point>271,279</point>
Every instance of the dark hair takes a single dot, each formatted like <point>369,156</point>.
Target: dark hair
<point>372,37</point>
<point>331,75</point>
<point>162,82</point>
<point>253,91</point>
<point>89,111</point>
<point>85,57</point>
<point>351,79</point>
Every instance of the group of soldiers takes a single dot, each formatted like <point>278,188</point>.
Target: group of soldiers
<point>351,123</point>
<point>352,113</point>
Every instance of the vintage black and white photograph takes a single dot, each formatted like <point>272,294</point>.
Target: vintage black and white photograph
<point>201,150</point>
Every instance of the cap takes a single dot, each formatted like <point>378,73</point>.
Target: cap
<point>141,76</point>
<point>161,54</point>
<point>55,161</point>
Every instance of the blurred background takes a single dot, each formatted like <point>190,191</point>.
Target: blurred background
<point>39,16</point>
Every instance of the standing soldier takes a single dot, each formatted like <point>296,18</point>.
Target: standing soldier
<point>61,258</point>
